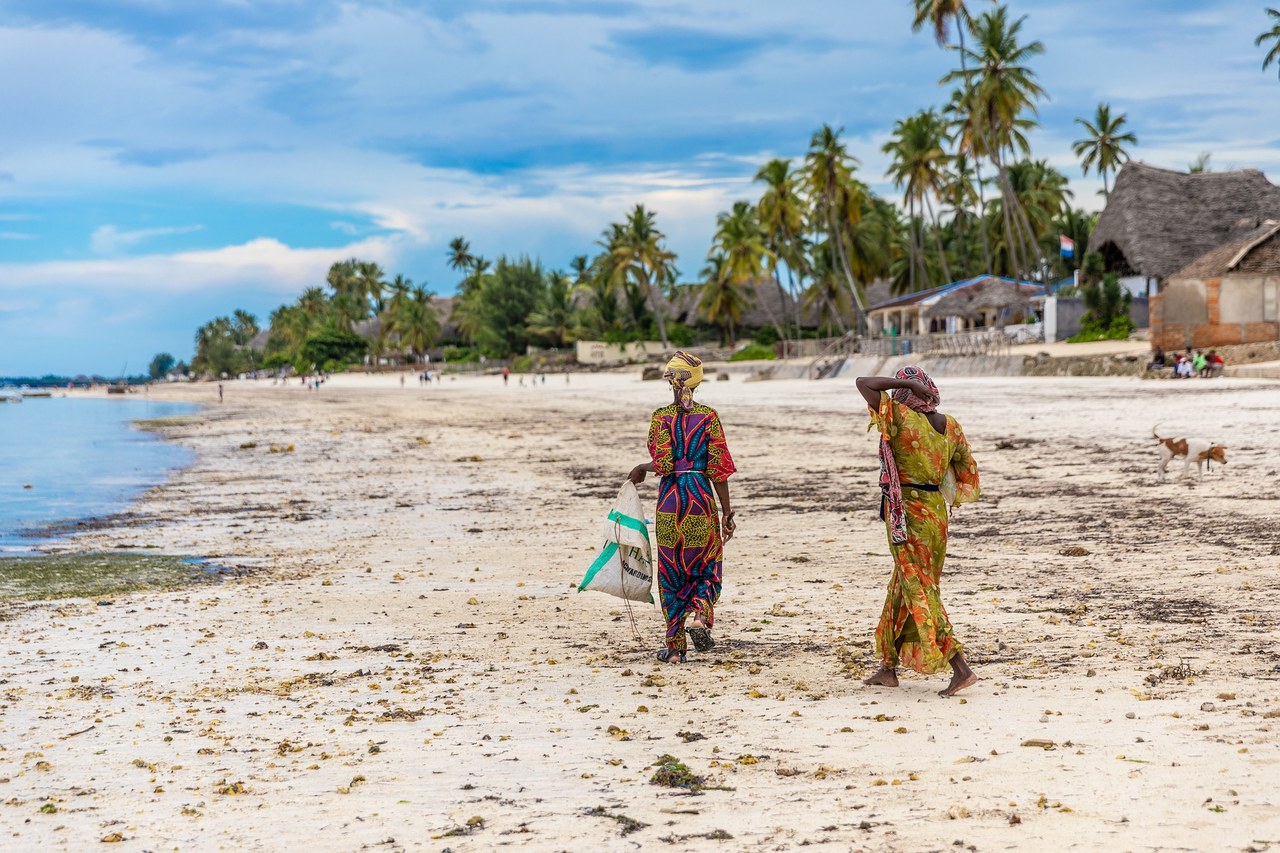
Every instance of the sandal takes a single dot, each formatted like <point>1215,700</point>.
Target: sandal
<point>665,655</point>
<point>702,639</point>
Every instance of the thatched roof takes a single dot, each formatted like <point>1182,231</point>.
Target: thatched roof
<point>1255,253</point>
<point>971,285</point>
<point>988,295</point>
<point>1159,220</point>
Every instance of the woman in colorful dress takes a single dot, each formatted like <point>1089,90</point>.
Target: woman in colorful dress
<point>694,518</point>
<point>925,467</point>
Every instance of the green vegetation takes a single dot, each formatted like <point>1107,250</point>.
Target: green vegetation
<point>974,199</point>
<point>1106,316</point>
<point>753,352</point>
<point>55,576</point>
<point>161,364</point>
<point>1272,35</point>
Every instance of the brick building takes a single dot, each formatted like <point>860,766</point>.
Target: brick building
<point>1229,295</point>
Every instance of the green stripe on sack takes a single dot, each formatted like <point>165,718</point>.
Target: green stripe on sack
<point>627,521</point>
<point>600,562</point>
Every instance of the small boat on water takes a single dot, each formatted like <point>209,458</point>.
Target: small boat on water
<point>10,395</point>
<point>35,392</point>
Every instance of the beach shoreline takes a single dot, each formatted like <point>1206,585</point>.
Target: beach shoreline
<point>407,653</point>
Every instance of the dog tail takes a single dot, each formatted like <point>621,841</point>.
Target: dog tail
<point>1155,434</point>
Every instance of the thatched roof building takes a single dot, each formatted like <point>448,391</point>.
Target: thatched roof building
<point>983,300</point>
<point>1257,252</point>
<point>1158,220</point>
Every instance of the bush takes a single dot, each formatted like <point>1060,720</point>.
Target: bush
<point>522,364</point>
<point>333,345</point>
<point>753,352</point>
<point>766,336</point>
<point>461,355</point>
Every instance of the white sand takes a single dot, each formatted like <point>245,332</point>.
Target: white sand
<point>454,523</point>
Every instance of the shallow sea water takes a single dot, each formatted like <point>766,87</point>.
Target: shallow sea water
<point>65,458</point>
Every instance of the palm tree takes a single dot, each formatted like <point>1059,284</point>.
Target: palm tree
<point>740,257</point>
<point>342,276</point>
<point>1272,34</point>
<point>554,318</point>
<point>640,256</point>
<point>721,298</point>
<point>415,323</point>
<point>314,302</point>
<point>918,167</point>
<point>782,212</point>
<point>1000,89</point>
<point>941,14</point>
<point>1103,149</point>
<point>244,327</point>
<point>460,257</point>
<point>836,200</point>
<point>369,286</point>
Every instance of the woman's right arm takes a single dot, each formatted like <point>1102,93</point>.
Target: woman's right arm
<point>871,387</point>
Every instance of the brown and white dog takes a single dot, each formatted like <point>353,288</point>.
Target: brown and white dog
<point>1196,450</point>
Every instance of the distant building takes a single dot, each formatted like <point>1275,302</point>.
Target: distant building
<point>1157,221</point>
<point>1229,295</point>
<point>972,303</point>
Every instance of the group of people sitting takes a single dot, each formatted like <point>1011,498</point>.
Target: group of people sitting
<point>1191,363</point>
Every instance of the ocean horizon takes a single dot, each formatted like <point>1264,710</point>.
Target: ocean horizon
<point>65,459</point>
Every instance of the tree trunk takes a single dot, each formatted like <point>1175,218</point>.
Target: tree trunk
<point>911,244</point>
<point>657,314</point>
<point>937,237</point>
<point>859,312</point>
<point>977,161</point>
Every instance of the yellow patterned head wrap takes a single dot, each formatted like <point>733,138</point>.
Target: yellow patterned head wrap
<point>684,372</point>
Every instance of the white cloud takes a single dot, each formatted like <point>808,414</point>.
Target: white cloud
<point>264,264</point>
<point>108,239</point>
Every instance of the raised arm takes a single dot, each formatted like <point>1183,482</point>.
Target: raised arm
<point>871,387</point>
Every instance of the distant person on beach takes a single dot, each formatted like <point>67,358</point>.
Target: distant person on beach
<point>506,376</point>
<point>1157,360</point>
<point>1200,364</point>
<point>1216,363</point>
<point>925,468</point>
<point>219,392</point>
<point>687,447</point>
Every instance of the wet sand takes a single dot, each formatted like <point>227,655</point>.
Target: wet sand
<point>404,663</point>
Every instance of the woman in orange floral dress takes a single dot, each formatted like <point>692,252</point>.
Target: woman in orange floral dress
<point>925,468</point>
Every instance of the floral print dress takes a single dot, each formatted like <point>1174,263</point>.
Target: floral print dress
<point>914,630</point>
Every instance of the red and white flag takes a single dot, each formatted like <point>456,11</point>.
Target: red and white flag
<point>1067,246</point>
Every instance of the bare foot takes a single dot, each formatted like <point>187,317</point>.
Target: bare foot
<point>884,677</point>
<point>959,681</point>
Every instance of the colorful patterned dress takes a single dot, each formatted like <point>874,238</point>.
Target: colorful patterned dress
<point>913,612</point>
<point>689,451</point>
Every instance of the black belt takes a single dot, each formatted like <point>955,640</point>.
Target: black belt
<point>884,495</point>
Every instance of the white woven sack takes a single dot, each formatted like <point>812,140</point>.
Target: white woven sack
<point>624,566</point>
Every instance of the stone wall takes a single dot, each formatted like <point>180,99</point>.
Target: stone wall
<point>1043,364</point>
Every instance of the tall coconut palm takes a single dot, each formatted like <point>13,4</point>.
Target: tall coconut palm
<point>1272,35</point>
<point>940,15</point>
<point>782,214</point>
<point>741,252</point>
<point>918,167</point>
<point>722,299</point>
<point>1103,149</point>
<point>640,256</point>
<point>836,201</point>
<point>1001,89</point>
<point>314,302</point>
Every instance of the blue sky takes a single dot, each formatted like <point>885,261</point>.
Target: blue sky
<point>163,162</point>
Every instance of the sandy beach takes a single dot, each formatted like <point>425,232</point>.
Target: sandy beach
<point>403,662</point>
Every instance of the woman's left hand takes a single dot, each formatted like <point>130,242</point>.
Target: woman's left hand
<point>728,526</point>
